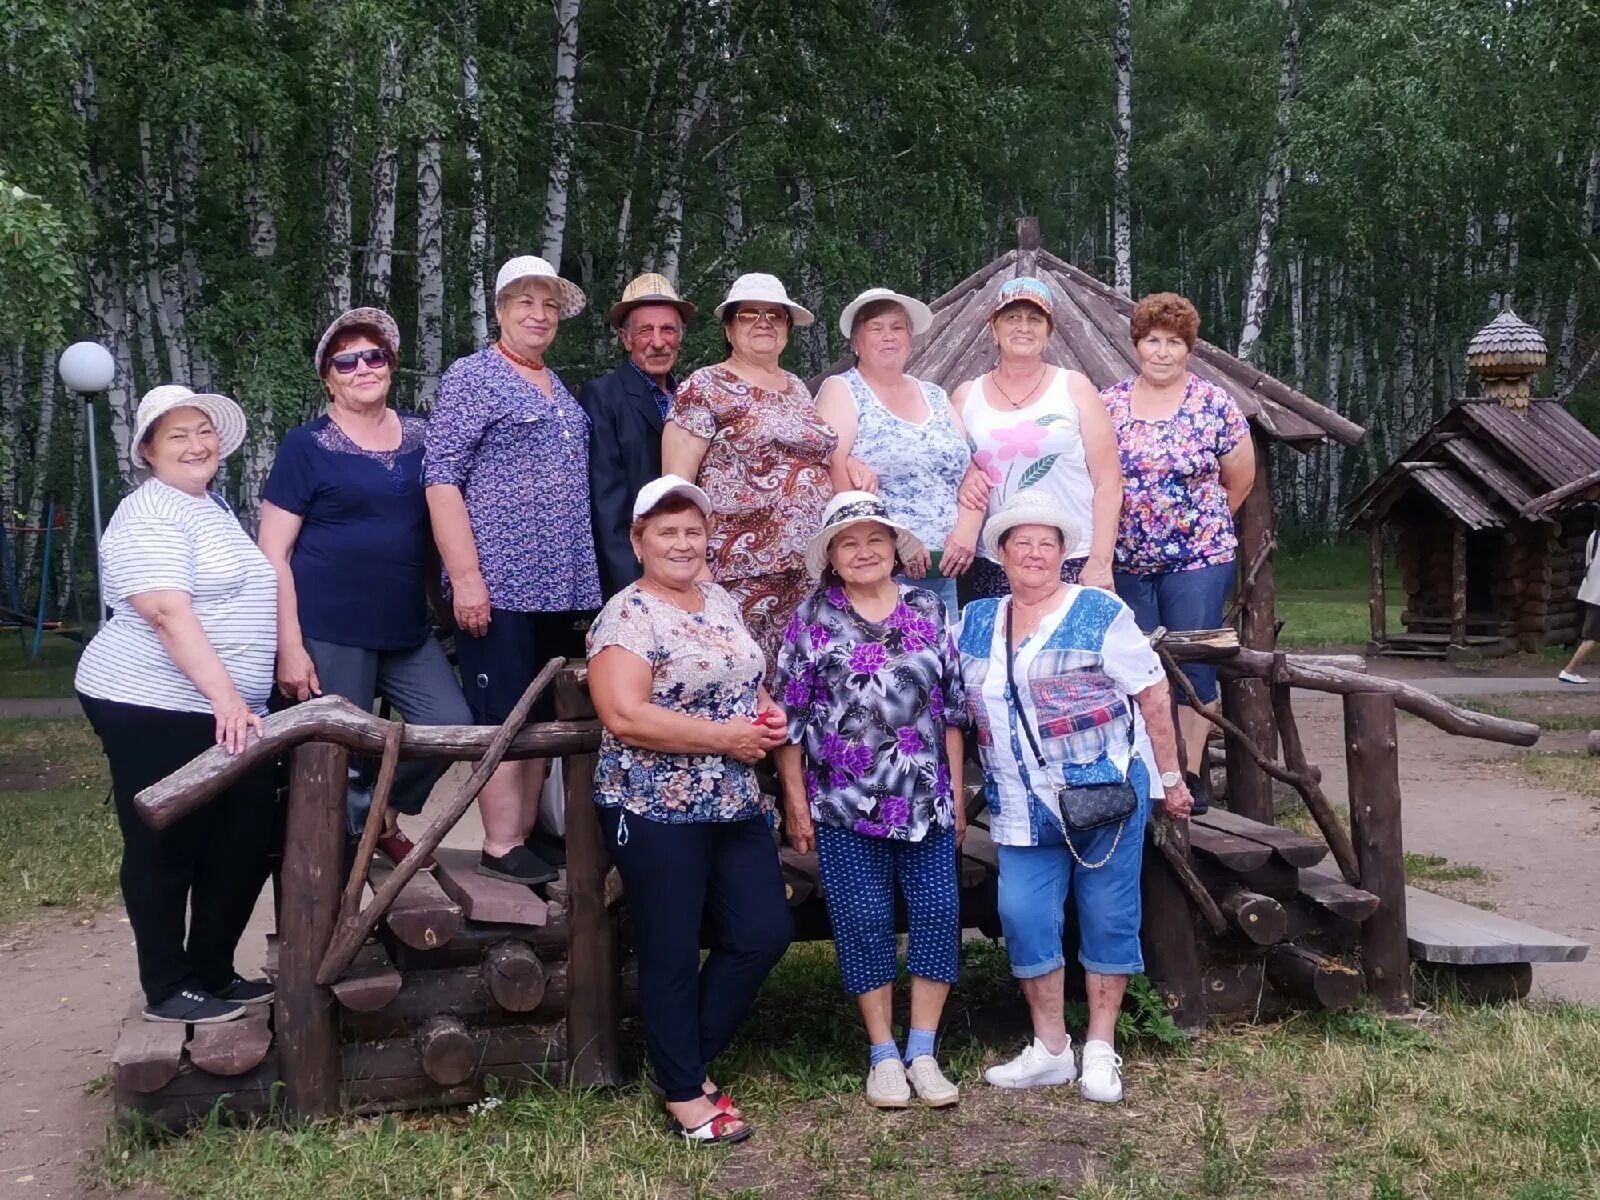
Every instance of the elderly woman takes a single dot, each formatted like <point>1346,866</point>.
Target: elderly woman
<point>344,522</point>
<point>507,475</point>
<point>747,432</point>
<point>1187,465</point>
<point>676,681</point>
<point>1072,715</point>
<point>1041,429</point>
<point>908,435</point>
<point>873,687</point>
<point>185,663</point>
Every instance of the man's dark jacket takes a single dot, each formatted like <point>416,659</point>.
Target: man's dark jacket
<point>624,455</point>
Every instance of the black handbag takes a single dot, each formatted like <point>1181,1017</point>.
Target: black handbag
<point>1084,807</point>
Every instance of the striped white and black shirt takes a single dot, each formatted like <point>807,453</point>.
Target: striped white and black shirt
<point>162,539</point>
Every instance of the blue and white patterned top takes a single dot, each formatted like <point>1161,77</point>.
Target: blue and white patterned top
<point>1077,674</point>
<point>919,465</point>
<point>521,460</point>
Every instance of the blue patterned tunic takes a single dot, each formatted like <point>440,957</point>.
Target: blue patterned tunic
<point>919,466</point>
<point>521,460</point>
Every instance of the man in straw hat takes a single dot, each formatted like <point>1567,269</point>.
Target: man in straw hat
<point>627,409</point>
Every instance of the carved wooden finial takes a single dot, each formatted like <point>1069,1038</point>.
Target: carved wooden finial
<point>1506,355</point>
<point>1027,246</point>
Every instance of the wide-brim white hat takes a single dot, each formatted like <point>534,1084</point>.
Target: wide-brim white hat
<point>227,418</point>
<point>657,490</point>
<point>764,289</point>
<point>1028,507</point>
<point>531,266</point>
<point>856,508</point>
<point>920,314</point>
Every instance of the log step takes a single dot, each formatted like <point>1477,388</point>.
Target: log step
<point>148,1053</point>
<point>482,898</point>
<point>422,916</point>
<point>1227,850</point>
<point>370,983</point>
<point>233,1047</point>
<point>1440,930</point>
<point>1331,893</point>
<point>1293,848</point>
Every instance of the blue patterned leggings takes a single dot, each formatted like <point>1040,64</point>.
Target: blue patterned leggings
<point>859,875</point>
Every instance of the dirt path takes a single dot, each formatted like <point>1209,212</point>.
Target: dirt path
<point>68,981</point>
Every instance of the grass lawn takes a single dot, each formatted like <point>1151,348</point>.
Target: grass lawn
<point>1483,1103</point>
<point>48,675</point>
<point>59,845</point>
<point>1564,771</point>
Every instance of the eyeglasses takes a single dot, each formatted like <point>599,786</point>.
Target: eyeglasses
<point>753,316</point>
<point>347,362</point>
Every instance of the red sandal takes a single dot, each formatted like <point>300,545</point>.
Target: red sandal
<point>724,1128</point>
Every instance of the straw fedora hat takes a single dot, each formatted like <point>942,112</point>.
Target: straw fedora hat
<point>856,508</point>
<point>649,288</point>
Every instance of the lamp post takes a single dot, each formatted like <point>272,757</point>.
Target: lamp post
<point>87,368</point>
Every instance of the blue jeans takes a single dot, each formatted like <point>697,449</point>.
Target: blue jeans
<point>941,587</point>
<point>1035,881</point>
<point>1191,599</point>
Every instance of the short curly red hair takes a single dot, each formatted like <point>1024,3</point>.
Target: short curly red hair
<point>1165,310</point>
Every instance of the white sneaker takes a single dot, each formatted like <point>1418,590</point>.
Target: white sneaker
<point>887,1086</point>
<point>1034,1067</point>
<point>1571,677</point>
<point>928,1081</point>
<point>1102,1074</point>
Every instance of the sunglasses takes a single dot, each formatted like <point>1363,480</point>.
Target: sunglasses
<point>347,362</point>
<point>750,316</point>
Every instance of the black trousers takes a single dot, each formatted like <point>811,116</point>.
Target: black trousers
<point>204,871</point>
<point>723,875</point>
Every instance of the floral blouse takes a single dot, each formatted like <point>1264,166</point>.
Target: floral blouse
<point>703,664</point>
<point>1174,509</point>
<point>766,469</point>
<point>919,464</point>
<point>869,702</point>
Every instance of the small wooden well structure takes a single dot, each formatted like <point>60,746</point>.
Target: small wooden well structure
<point>1487,563</point>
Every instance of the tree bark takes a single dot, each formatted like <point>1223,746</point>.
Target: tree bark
<point>1258,293</point>
<point>190,282</point>
<point>430,271</point>
<point>813,338</point>
<point>478,233</point>
<point>38,481</point>
<point>563,107</point>
<point>163,279</point>
<point>385,179</point>
<point>337,209</point>
<point>1122,138</point>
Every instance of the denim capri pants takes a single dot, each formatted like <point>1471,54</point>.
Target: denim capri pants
<point>859,876</point>
<point>1192,599</point>
<point>1035,882</point>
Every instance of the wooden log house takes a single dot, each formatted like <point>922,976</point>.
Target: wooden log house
<point>1485,514</point>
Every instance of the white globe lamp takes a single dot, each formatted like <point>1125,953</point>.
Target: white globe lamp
<point>87,368</point>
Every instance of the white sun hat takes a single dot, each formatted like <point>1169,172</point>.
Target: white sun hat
<point>856,508</point>
<point>531,266</point>
<point>921,315</point>
<point>1028,507</point>
<point>764,289</point>
<point>657,490</point>
<point>227,418</point>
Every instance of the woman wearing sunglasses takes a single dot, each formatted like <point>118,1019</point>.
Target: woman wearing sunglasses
<point>748,433</point>
<point>344,522</point>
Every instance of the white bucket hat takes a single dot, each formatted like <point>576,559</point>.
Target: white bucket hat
<point>531,266</point>
<point>856,508</point>
<point>764,289</point>
<point>921,315</point>
<point>657,490</point>
<point>388,331</point>
<point>1028,507</point>
<point>227,418</point>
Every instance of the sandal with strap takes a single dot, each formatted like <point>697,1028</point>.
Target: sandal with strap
<point>724,1128</point>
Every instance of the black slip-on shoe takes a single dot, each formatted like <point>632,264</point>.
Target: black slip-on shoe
<point>247,991</point>
<point>521,865</point>
<point>190,1006</point>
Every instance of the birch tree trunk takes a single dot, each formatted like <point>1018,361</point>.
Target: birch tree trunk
<point>38,482</point>
<point>478,232</point>
<point>562,110</point>
<point>385,180</point>
<point>262,239</point>
<point>640,124</point>
<point>430,271</point>
<point>1258,292</point>
<point>163,281</point>
<point>337,209</point>
<point>813,338</point>
<point>184,279</point>
<point>1122,137</point>
<point>144,323</point>
<point>669,207</point>
<point>261,227</point>
<point>1589,226</point>
<point>12,389</point>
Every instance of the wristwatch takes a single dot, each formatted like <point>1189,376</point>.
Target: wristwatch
<point>1171,778</point>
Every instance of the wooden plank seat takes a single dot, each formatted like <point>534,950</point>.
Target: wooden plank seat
<point>1295,849</point>
<point>482,898</point>
<point>1441,930</point>
<point>1331,893</point>
<point>1228,850</point>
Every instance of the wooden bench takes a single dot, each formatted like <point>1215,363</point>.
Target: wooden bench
<point>1441,930</point>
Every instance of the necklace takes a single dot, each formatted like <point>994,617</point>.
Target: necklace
<point>1028,395</point>
<point>513,356</point>
<point>676,599</point>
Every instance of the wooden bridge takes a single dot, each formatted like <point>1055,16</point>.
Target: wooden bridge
<point>438,984</point>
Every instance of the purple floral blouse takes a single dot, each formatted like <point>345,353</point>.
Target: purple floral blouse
<point>1174,509</point>
<point>702,664</point>
<point>521,460</point>
<point>869,702</point>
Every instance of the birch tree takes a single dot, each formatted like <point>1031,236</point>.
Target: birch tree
<point>1122,140</point>
<point>563,107</point>
<point>472,134</point>
<point>385,180</point>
